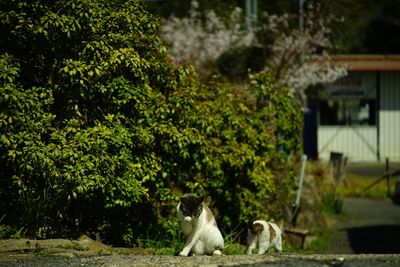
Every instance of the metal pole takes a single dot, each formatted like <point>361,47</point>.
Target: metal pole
<point>251,13</point>
<point>387,177</point>
<point>301,17</point>
<point>254,13</point>
<point>377,111</point>
<point>297,203</point>
<point>247,9</point>
<point>303,168</point>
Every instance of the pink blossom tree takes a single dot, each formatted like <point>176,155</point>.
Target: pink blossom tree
<point>299,57</point>
<point>202,38</point>
<point>296,58</point>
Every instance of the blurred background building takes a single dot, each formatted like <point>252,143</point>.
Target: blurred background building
<point>359,115</point>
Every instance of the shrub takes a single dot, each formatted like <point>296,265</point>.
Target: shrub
<point>88,96</point>
<point>243,161</point>
<point>101,133</point>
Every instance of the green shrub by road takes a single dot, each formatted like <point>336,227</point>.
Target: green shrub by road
<point>100,133</point>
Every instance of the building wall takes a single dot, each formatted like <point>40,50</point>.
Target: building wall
<point>358,143</point>
<point>389,116</point>
<point>365,142</point>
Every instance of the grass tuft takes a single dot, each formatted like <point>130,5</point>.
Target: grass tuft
<point>232,244</point>
<point>355,186</point>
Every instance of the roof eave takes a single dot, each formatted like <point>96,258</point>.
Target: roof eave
<point>367,62</point>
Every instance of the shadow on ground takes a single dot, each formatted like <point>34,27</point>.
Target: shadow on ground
<point>380,239</point>
<point>396,198</point>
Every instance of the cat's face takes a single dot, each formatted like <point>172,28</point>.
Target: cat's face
<point>191,205</point>
<point>256,228</point>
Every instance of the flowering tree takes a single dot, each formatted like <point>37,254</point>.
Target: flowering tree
<point>296,58</point>
<point>200,39</point>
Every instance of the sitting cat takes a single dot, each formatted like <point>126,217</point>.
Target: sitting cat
<point>199,227</point>
<point>264,235</point>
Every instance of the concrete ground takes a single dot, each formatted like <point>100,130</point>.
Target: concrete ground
<point>368,226</point>
<point>283,260</point>
<point>371,169</point>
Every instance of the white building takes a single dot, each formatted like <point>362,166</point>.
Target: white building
<point>359,115</point>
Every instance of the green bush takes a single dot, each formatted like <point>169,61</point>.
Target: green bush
<point>101,133</point>
<point>88,97</point>
<point>240,164</point>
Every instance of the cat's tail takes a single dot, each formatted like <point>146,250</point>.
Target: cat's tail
<point>281,226</point>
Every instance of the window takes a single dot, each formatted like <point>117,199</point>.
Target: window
<point>350,100</point>
<point>348,112</point>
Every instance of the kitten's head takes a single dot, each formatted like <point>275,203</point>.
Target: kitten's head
<point>191,206</point>
<point>256,228</point>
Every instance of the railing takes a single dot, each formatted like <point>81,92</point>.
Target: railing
<point>387,176</point>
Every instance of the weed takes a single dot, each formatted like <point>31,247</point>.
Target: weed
<point>332,204</point>
<point>319,243</point>
<point>43,254</point>
<point>232,244</point>
<point>355,186</point>
<point>161,246</point>
<point>7,231</point>
<point>76,246</point>
<point>100,252</point>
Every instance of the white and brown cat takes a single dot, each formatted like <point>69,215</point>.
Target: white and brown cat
<point>199,226</point>
<point>264,235</point>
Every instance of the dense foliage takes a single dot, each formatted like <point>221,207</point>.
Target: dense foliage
<point>101,133</point>
<point>246,137</point>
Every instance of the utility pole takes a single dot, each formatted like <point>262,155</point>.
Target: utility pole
<point>301,15</point>
<point>251,13</point>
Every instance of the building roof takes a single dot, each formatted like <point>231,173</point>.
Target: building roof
<point>368,62</point>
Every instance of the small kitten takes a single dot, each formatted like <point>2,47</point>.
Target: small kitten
<point>199,227</point>
<point>264,235</point>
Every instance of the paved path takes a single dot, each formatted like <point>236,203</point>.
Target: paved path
<point>368,226</point>
<point>284,260</point>
<point>374,169</point>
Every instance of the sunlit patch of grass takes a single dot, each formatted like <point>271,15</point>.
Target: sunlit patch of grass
<point>332,204</point>
<point>320,242</point>
<point>161,247</point>
<point>76,246</point>
<point>232,245</point>
<point>357,186</point>
<point>315,244</point>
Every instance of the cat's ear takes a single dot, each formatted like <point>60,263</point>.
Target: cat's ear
<point>183,200</point>
<point>251,226</point>
<point>200,199</point>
